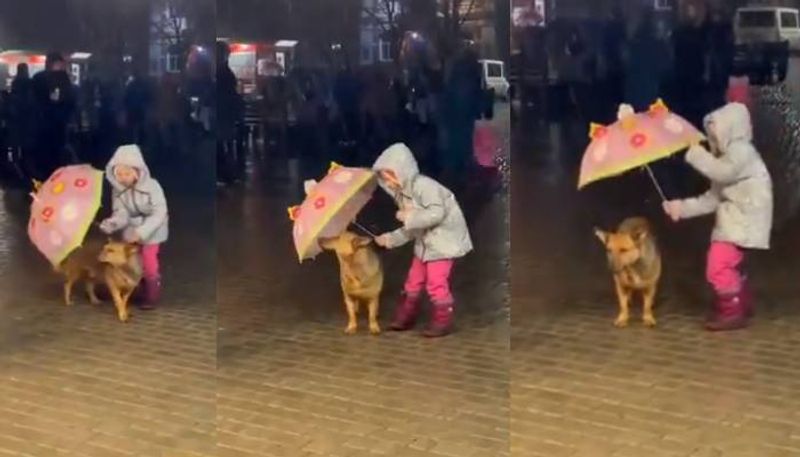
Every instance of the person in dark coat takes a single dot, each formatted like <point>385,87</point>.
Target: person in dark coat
<point>137,100</point>
<point>54,102</point>
<point>614,41</point>
<point>645,65</point>
<point>347,93</point>
<point>230,109</point>
<point>691,44</point>
<point>22,122</point>
<point>721,49</point>
<point>463,105</point>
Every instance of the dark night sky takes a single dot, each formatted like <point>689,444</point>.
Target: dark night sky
<point>36,23</point>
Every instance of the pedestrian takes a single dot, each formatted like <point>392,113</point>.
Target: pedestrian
<point>690,52</point>
<point>578,72</point>
<point>721,50</point>
<point>230,111</point>
<point>614,40</point>
<point>54,104</point>
<point>645,64</point>
<point>136,101</point>
<point>741,196</point>
<point>432,218</point>
<point>22,122</point>
<point>646,58</point>
<point>463,106</point>
<point>139,212</point>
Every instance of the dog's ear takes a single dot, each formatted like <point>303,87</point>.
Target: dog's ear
<point>639,236</point>
<point>601,235</point>
<point>361,241</point>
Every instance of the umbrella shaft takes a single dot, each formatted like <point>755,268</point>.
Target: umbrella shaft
<point>363,229</point>
<point>655,182</point>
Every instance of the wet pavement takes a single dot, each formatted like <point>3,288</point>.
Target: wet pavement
<point>74,381</point>
<point>580,386</point>
<point>292,384</point>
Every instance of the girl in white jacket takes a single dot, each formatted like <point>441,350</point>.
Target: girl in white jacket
<point>741,197</point>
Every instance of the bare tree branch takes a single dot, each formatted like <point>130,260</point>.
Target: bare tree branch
<point>470,9</point>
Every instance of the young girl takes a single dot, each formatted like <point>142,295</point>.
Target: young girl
<point>140,212</point>
<point>741,196</point>
<point>430,216</point>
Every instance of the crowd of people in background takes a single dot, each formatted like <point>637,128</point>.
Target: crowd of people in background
<point>349,114</point>
<point>638,59</point>
<point>48,121</point>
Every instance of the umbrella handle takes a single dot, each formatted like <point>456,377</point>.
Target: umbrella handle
<point>655,182</point>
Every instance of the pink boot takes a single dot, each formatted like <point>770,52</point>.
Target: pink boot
<point>405,316</point>
<point>731,313</point>
<point>441,322</point>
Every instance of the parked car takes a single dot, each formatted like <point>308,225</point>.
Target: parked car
<point>494,75</point>
<point>764,36</point>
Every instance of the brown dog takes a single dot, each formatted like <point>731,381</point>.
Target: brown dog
<point>635,261</point>
<point>115,264</point>
<point>361,277</point>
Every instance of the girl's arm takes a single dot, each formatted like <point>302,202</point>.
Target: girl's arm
<point>431,211</point>
<point>724,169</point>
<point>119,217</point>
<point>157,218</point>
<point>397,238</point>
<point>700,205</point>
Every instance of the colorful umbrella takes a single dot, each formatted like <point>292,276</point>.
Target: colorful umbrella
<point>330,207</point>
<point>635,140</point>
<point>63,208</point>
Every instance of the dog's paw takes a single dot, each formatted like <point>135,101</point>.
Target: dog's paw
<point>69,303</point>
<point>374,329</point>
<point>95,302</point>
<point>351,329</point>
<point>124,317</point>
<point>649,321</point>
<point>621,322</point>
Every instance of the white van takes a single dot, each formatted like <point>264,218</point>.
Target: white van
<point>494,73</point>
<point>764,36</point>
<point>768,24</point>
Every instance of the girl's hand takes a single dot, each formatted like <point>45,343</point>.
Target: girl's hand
<point>673,209</point>
<point>382,240</point>
<point>108,227</point>
<point>402,215</point>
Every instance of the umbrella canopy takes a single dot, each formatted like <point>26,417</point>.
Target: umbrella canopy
<point>635,140</point>
<point>330,207</point>
<point>63,209</point>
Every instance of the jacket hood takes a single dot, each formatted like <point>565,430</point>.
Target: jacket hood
<point>731,124</point>
<point>398,159</point>
<point>129,155</point>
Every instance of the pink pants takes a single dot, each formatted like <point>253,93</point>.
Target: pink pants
<point>150,265</point>
<point>722,267</point>
<point>434,277</point>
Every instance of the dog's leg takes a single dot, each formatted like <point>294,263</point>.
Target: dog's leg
<point>68,291</point>
<point>122,309</point>
<point>352,308</point>
<point>90,285</point>
<point>649,298</point>
<point>624,297</point>
<point>374,305</point>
